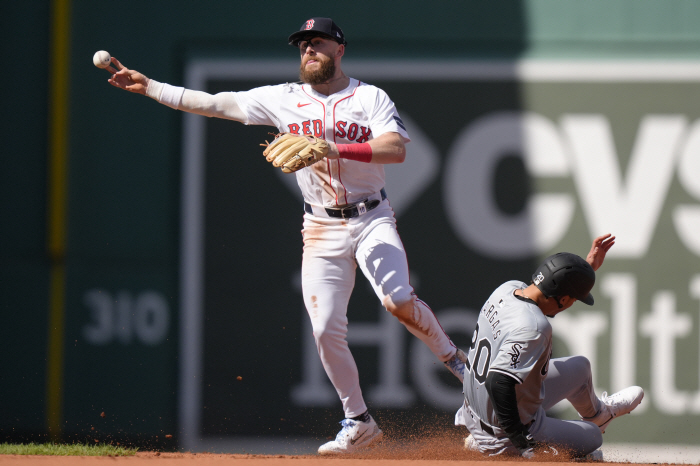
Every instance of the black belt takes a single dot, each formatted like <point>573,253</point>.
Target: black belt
<point>489,430</point>
<point>349,211</point>
<point>486,428</point>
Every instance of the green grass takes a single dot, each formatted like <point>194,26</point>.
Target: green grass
<point>52,449</point>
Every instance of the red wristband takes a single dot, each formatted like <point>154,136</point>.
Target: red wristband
<point>360,152</point>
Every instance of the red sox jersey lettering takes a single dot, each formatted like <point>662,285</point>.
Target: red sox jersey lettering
<point>306,126</point>
<point>357,114</point>
<point>352,132</point>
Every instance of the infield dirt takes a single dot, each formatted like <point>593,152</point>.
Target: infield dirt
<point>432,451</point>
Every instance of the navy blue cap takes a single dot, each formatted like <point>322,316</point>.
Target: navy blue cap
<point>314,27</point>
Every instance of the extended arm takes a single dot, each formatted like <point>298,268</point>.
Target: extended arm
<point>501,390</point>
<point>222,105</point>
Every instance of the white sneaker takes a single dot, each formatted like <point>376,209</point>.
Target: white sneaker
<point>456,364</point>
<point>470,444</point>
<point>615,405</point>
<point>354,436</point>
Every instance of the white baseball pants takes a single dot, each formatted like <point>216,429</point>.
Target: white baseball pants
<point>333,248</point>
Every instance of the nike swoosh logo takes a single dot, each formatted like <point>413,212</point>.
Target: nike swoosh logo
<point>302,105</point>
<point>352,441</point>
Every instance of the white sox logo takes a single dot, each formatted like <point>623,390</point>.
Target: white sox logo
<point>515,355</point>
<point>539,278</point>
<point>309,24</point>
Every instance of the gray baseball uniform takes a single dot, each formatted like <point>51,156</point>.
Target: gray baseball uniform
<point>514,338</point>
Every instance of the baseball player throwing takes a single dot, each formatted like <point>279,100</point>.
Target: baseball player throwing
<point>511,380</point>
<point>348,220</point>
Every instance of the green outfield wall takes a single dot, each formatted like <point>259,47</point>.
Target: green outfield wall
<point>150,259</point>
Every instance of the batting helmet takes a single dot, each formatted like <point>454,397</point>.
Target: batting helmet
<point>565,274</point>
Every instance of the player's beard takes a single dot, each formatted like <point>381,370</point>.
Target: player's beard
<point>321,75</point>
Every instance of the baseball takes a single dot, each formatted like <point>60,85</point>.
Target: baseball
<point>102,59</point>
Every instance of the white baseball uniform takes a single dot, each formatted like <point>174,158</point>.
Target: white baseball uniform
<point>333,247</point>
<point>513,337</point>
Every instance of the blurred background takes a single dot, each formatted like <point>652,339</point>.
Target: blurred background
<point>150,259</point>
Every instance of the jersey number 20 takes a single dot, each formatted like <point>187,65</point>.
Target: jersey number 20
<point>480,373</point>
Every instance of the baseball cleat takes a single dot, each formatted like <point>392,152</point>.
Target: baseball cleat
<point>617,404</point>
<point>456,364</point>
<point>354,436</point>
<point>470,444</point>
<point>596,456</point>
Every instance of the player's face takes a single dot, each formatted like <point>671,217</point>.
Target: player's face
<point>317,60</point>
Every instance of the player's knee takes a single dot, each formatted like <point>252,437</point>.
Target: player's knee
<point>594,440</point>
<point>324,334</point>
<point>396,308</point>
<point>403,309</point>
<point>581,364</point>
<point>598,439</point>
<point>586,441</point>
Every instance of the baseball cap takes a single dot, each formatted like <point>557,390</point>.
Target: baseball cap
<point>318,27</point>
<point>565,274</point>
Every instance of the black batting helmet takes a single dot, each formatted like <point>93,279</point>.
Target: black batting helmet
<point>565,274</point>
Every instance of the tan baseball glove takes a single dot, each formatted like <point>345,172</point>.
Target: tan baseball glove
<point>292,152</point>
